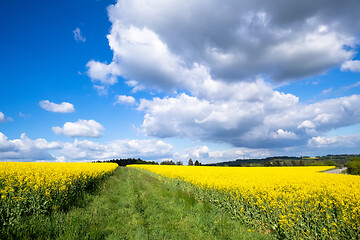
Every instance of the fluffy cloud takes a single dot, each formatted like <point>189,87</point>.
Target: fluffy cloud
<point>276,121</point>
<point>335,142</point>
<point>25,149</point>
<point>81,128</point>
<point>103,73</point>
<point>78,36</point>
<point>87,150</point>
<point>307,124</point>
<point>63,107</point>
<point>5,144</point>
<point>138,50</point>
<point>246,38</point>
<point>215,58</point>
<point>353,66</point>
<point>122,99</point>
<point>234,113</point>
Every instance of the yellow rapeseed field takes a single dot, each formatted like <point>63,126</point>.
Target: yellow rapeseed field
<point>294,202</point>
<point>33,188</point>
<point>18,177</point>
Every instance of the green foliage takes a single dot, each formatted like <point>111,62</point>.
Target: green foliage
<point>190,162</point>
<point>329,163</point>
<point>18,219</point>
<point>167,162</point>
<point>277,161</point>
<point>353,167</point>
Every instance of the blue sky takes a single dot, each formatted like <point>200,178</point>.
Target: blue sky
<point>88,80</point>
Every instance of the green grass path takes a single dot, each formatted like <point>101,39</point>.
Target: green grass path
<point>133,204</point>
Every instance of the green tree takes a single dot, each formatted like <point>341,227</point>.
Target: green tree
<point>353,167</point>
<point>190,162</point>
<point>197,163</point>
<point>167,162</point>
<point>330,163</point>
<point>179,163</point>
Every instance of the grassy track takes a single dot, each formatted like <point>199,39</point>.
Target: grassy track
<point>133,204</point>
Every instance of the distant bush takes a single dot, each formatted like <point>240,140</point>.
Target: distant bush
<point>330,163</point>
<point>353,167</point>
<point>167,162</point>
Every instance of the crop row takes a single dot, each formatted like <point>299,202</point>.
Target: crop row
<point>292,202</point>
<point>29,189</point>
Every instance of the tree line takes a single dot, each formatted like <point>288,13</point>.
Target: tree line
<point>190,162</point>
<point>128,161</point>
<point>277,161</point>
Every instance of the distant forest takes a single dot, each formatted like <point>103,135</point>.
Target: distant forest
<point>328,160</point>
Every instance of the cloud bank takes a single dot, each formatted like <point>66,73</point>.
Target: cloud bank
<point>222,60</point>
<point>276,121</point>
<point>236,40</point>
<point>25,149</point>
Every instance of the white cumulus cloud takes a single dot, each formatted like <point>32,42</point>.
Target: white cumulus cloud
<point>103,73</point>
<point>157,45</point>
<point>25,149</point>
<point>123,99</point>
<point>353,66</point>
<point>278,120</point>
<point>88,150</point>
<point>215,75</point>
<point>307,124</point>
<point>63,107</point>
<point>335,142</point>
<point>81,128</point>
